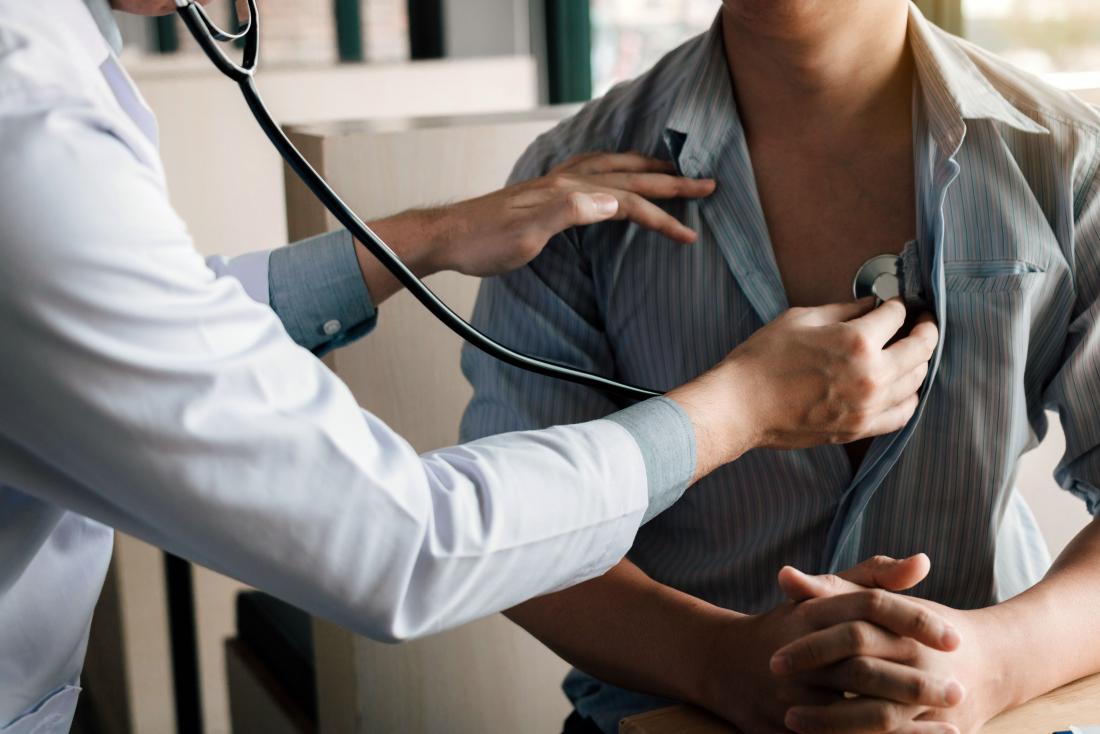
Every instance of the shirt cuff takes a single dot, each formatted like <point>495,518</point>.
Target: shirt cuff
<point>317,290</point>
<point>666,437</point>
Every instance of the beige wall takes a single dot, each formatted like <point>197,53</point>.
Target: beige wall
<point>227,185</point>
<point>1060,514</point>
<point>227,182</point>
<point>488,676</point>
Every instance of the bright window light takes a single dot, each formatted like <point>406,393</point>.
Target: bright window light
<point>1059,39</point>
<point>629,36</point>
<point>1042,36</point>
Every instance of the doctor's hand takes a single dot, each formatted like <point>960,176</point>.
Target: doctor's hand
<point>507,229</point>
<point>896,678</point>
<point>825,375</point>
<point>738,678</point>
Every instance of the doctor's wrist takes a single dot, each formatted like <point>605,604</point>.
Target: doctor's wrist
<point>719,409</point>
<point>416,237</point>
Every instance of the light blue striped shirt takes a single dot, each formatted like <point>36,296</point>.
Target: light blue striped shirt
<point>1007,254</point>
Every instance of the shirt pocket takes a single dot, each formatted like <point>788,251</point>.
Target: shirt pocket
<point>991,276</point>
<point>53,715</point>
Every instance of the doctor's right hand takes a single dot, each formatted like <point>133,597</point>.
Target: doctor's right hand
<point>826,375</point>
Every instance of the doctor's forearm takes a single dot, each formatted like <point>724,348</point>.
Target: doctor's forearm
<point>1047,636</point>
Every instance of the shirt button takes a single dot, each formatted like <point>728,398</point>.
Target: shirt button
<point>332,328</point>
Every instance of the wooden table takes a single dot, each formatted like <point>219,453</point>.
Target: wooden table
<point>1077,704</point>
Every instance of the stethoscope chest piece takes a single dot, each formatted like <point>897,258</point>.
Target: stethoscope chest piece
<point>879,277</point>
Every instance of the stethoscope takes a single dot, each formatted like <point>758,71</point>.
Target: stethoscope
<point>879,277</point>
<point>207,34</point>
<point>872,280</point>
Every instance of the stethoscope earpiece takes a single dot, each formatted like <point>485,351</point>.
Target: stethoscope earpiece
<point>208,35</point>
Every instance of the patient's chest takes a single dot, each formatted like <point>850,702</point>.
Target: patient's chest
<point>673,312</point>
<point>826,218</point>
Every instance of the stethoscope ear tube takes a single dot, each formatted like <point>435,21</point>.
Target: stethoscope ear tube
<point>205,33</point>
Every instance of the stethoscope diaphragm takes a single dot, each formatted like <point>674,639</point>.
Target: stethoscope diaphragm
<point>879,277</point>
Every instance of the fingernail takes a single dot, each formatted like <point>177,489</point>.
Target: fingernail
<point>781,664</point>
<point>950,638</point>
<point>606,204</point>
<point>793,720</point>
<point>953,693</point>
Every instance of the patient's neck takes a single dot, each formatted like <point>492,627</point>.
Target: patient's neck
<point>813,70</point>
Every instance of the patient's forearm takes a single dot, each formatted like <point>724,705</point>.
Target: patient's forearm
<point>1049,633</point>
<point>627,629</point>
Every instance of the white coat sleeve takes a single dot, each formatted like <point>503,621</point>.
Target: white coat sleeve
<point>139,389</point>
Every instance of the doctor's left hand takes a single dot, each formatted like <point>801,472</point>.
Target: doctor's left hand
<point>507,229</point>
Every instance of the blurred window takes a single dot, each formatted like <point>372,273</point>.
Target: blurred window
<point>292,32</point>
<point>629,36</point>
<point>1042,36</point>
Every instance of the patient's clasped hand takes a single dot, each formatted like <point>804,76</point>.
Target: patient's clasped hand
<point>845,653</point>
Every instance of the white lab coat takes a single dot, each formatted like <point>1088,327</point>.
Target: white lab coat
<point>141,391</point>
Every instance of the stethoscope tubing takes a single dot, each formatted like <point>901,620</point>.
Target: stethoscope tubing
<point>207,35</point>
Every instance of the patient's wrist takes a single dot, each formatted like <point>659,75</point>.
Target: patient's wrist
<point>717,683</point>
<point>1018,653</point>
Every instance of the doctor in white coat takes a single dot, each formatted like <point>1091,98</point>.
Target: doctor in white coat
<point>181,400</point>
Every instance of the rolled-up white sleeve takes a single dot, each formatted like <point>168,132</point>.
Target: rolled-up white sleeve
<point>142,390</point>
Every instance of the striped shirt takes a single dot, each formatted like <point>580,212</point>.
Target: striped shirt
<point>1008,254</point>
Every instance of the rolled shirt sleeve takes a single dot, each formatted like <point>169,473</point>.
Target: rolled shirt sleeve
<point>1075,390</point>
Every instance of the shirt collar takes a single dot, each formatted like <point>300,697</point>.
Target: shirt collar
<point>955,89</point>
<point>703,115</point>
